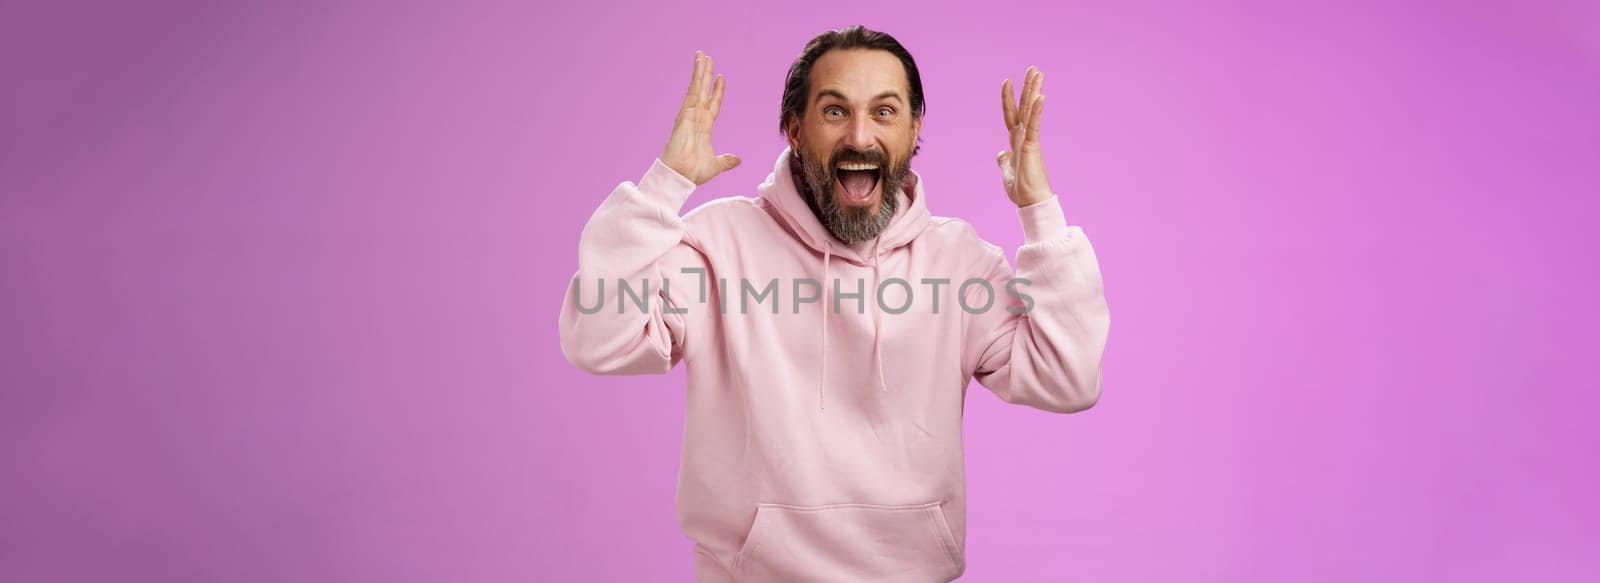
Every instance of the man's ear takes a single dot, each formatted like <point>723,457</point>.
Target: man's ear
<point>789,129</point>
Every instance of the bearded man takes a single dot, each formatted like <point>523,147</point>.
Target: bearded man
<point>823,431</point>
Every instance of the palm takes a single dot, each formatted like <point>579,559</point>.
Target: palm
<point>688,150</point>
<point>1022,165</point>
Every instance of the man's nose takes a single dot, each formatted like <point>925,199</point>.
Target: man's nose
<point>860,135</point>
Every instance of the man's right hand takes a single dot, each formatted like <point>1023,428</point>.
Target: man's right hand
<point>688,150</point>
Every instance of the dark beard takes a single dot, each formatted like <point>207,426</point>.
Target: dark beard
<point>818,180</point>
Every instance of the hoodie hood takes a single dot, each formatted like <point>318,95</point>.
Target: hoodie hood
<point>782,197</point>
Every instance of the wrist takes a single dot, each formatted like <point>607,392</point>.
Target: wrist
<point>1032,199</point>
<point>1042,220</point>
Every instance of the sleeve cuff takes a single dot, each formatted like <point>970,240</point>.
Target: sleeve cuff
<point>1043,220</point>
<point>662,180</point>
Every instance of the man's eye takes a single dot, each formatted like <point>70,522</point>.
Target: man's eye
<point>885,111</point>
<point>833,111</point>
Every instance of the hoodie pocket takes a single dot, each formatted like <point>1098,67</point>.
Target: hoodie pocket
<point>849,542</point>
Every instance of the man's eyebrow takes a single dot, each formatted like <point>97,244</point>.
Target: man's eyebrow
<point>840,96</point>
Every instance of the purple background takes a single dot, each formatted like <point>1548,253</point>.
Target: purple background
<point>279,285</point>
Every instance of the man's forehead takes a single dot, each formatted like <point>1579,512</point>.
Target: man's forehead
<point>860,74</point>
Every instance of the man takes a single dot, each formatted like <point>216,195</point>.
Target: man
<point>823,442</point>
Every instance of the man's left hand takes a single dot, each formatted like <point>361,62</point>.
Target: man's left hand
<point>1022,166</point>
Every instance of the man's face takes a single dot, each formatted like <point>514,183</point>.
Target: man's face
<point>855,139</point>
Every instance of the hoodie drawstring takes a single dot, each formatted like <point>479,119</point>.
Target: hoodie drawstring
<point>822,383</point>
<point>877,321</point>
<point>877,317</point>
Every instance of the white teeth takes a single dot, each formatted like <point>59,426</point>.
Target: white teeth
<point>857,166</point>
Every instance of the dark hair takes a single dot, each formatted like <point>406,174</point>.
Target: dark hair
<point>797,88</point>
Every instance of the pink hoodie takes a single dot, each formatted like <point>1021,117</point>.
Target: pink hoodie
<point>823,445</point>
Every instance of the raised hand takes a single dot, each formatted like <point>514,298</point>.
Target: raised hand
<point>1022,166</point>
<point>688,150</point>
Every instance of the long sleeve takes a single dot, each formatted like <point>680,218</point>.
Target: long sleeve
<point>635,238</point>
<point>1048,356</point>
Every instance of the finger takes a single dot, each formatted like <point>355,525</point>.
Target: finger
<point>1033,120</point>
<point>1008,104</point>
<point>1008,172</point>
<point>1018,132</point>
<point>1030,91</point>
<point>1034,80</point>
<point>1038,84</point>
<point>705,80</point>
<point>690,99</point>
<point>728,162</point>
<point>716,98</point>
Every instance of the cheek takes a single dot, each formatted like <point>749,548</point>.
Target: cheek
<point>822,146</point>
<point>825,135</point>
<point>904,140</point>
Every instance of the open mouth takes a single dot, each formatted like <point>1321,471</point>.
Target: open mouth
<point>857,180</point>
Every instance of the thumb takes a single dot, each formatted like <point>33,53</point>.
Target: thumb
<point>1002,158</point>
<point>727,162</point>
